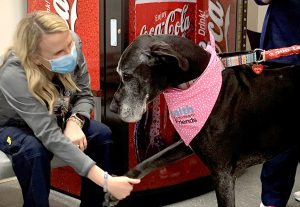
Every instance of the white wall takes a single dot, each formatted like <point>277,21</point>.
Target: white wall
<point>255,16</point>
<point>11,11</point>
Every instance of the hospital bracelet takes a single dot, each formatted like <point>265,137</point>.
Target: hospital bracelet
<point>105,176</point>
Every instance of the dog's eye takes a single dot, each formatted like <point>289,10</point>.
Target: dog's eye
<point>127,77</point>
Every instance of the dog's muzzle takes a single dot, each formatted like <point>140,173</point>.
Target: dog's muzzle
<point>114,107</point>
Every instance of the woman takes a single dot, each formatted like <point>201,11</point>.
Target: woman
<point>45,105</point>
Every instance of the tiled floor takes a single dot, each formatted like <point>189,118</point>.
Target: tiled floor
<point>247,194</point>
<point>248,190</point>
<point>10,196</point>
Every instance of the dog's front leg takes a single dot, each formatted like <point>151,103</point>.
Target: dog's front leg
<point>170,154</point>
<point>224,188</point>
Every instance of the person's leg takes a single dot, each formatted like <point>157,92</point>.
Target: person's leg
<point>31,164</point>
<point>278,177</point>
<point>99,144</point>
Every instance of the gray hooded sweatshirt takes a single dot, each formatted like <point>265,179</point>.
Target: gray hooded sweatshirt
<point>19,108</point>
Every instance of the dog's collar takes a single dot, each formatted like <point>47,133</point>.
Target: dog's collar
<point>186,85</point>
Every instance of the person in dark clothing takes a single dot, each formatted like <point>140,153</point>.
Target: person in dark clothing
<point>280,29</point>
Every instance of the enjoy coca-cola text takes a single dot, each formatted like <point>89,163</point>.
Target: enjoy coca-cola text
<point>218,24</point>
<point>171,25</point>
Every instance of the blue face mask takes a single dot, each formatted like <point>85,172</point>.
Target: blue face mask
<point>64,64</point>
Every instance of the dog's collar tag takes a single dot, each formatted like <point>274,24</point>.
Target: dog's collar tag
<point>189,109</point>
<point>257,68</point>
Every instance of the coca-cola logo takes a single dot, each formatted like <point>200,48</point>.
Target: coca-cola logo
<point>62,8</point>
<point>218,24</point>
<point>176,23</point>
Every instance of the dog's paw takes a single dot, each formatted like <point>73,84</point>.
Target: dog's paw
<point>133,173</point>
<point>110,200</point>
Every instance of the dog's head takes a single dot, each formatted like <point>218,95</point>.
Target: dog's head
<point>144,69</point>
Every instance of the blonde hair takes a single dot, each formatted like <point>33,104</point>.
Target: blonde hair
<point>26,47</point>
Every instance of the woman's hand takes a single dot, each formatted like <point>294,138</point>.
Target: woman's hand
<point>121,187</point>
<point>75,134</point>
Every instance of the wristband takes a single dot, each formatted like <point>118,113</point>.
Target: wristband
<point>105,176</point>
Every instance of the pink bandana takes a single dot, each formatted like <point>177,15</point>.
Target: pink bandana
<point>189,109</point>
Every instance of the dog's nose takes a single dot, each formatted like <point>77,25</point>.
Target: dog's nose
<point>114,107</point>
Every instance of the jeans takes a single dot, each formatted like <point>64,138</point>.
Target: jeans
<point>278,177</point>
<point>31,163</point>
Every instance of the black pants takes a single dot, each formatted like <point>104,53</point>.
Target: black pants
<point>278,177</point>
<point>31,163</point>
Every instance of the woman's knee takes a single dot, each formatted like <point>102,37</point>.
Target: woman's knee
<point>21,142</point>
<point>99,132</point>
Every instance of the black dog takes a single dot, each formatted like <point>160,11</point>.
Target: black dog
<point>252,120</point>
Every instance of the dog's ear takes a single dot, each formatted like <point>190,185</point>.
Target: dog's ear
<point>164,51</point>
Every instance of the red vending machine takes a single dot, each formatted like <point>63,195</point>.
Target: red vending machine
<point>226,20</point>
